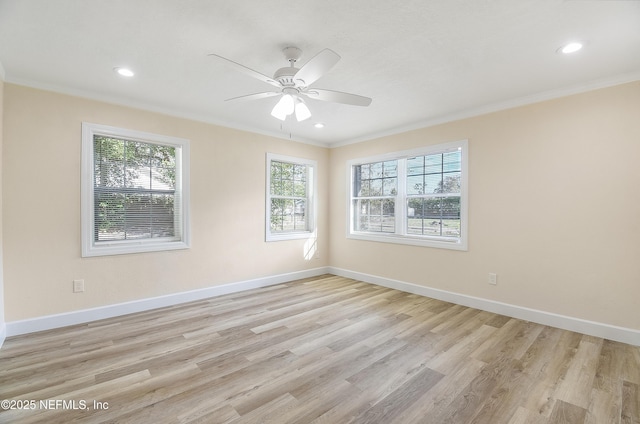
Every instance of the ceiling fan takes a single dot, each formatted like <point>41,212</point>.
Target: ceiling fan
<point>293,84</point>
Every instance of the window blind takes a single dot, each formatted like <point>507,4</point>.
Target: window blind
<point>135,193</point>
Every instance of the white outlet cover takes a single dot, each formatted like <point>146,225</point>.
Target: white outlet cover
<point>78,286</point>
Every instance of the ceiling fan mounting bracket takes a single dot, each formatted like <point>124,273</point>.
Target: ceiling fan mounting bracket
<point>285,75</point>
<point>292,54</point>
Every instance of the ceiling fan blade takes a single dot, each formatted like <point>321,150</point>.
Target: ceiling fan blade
<point>249,71</point>
<point>316,67</point>
<point>255,96</point>
<point>337,97</point>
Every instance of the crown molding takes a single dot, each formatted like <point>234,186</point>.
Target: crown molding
<point>463,114</point>
<point>150,107</point>
<point>498,106</point>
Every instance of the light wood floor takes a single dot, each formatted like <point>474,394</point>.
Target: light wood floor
<point>324,350</point>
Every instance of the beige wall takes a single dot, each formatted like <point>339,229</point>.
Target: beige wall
<point>2,315</point>
<point>41,191</point>
<point>554,208</point>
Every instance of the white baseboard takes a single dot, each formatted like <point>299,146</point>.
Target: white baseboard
<point>606,331</point>
<point>3,333</point>
<point>611,332</point>
<point>49,322</point>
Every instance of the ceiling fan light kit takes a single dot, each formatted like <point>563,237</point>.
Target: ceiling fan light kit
<point>302,111</point>
<point>287,105</point>
<point>284,107</point>
<point>293,84</point>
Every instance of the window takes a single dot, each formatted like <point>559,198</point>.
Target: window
<point>135,191</point>
<point>291,194</point>
<point>414,197</point>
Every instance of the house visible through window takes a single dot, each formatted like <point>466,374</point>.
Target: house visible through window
<point>415,197</point>
<point>375,188</point>
<point>290,197</point>
<point>133,191</point>
<point>433,193</point>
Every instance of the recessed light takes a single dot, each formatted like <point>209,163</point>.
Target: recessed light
<point>570,48</point>
<point>125,72</point>
<point>319,125</point>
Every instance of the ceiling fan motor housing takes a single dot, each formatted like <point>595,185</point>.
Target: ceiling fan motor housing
<point>285,76</point>
<point>290,90</point>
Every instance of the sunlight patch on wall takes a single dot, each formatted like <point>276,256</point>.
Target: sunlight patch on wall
<point>310,248</point>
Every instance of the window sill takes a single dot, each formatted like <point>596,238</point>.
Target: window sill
<point>289,236</point>
<point>119,248</point>
<point>435,242</point>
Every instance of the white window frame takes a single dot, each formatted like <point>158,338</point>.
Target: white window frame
<point>90,247</point>
<point>312,195</point>
<point>400,235</point>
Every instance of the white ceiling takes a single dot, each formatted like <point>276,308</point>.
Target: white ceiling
<point>421,61</point>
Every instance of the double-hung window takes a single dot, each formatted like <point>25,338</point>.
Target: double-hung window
<point>291,194</point>
<point>414,197</point>
<point>135,191</point>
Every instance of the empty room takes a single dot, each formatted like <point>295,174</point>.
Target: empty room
<point>332,212</point>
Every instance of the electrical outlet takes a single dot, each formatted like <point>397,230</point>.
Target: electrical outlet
<point>493,279</point>
<point>78,286</point>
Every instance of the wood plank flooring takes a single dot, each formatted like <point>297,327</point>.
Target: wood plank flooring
<point>323,350</point>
